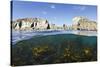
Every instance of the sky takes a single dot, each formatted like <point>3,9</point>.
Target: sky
<point>55,13</point>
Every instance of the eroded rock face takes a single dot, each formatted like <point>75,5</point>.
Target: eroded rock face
<point>82,23</point>
<point>30,24</point>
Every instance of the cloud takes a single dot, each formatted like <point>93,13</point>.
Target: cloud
<point>81,8</point>
<point>52,6</point>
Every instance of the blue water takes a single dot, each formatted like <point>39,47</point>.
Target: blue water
<point>22,35</point>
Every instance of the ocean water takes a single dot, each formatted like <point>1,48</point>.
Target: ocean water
<point>27,46</point>
<point>48,49</point>
<point>23,35</point>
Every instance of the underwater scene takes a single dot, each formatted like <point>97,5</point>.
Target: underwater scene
<point>52,33</point>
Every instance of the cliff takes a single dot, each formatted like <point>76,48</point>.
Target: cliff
<point>30,24</point>
<point>83,23</point>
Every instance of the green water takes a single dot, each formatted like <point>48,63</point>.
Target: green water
<point>51,49</point>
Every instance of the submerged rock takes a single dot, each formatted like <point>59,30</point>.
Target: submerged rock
<point>62,48</point>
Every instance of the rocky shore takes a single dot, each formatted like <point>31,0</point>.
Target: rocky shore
<point>79,23</point>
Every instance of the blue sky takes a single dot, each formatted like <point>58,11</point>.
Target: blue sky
<point>55,13</point>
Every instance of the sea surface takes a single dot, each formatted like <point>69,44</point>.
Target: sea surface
<point>23,35</point>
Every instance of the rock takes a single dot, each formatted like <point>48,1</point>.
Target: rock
<point>57,27</point>
<point>82,23</point>
<point>64,26</point>
<point>30,24</point>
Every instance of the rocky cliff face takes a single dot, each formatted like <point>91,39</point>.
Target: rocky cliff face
<point>79,23</point>
<point>82,23</point>
<point>30,24</point>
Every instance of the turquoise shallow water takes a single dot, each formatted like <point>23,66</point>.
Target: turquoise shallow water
<point>60,38</point>
<point>24,35</point>
<point>51,49</point>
